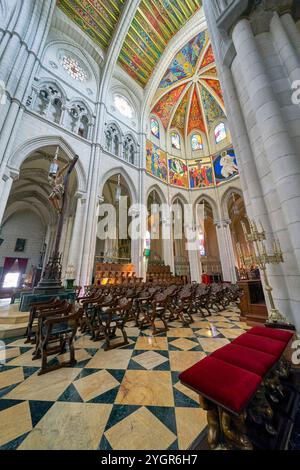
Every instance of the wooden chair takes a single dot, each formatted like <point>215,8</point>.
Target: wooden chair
<point>33,315</point>
<point>180,308</point>
<point>56,330</point>
<point>112,319</point>
<point>154,311</point>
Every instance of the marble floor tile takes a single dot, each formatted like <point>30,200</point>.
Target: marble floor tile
<point>216,318</point>
<point>180,332</point>
<point>148,388</point>
<point>187,391</point>
<point>80,355</point>
<point>14,422</point>
<point>132,331</point>
<point>69,426</point>
<point>210,345</point>
<point>208,332</point>
<point>141,430</point>
<point>46,387</point>
<point>113,359</point>
<point>11,376</point>
<point>25,359</point>
<point>86,342</point>
<point>201,324</point>
<point>21,343</point>
<point>184,343</point>
<point>95,384</point>
<point>107,391</point>
<point>150,359</point>
<point>181,360</point>
<point>231,333</point>
<point>8,353</point>
<point>223,324</point>
<point>152,343</point>
<point>190,423</point>
<point>241,324</point>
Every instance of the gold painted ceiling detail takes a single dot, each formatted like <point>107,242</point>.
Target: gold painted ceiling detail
<point>154,24</point>
<point>97,18</point>
<point>189,96</point>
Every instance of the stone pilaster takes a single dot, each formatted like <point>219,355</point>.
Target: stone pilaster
<point>226,250</point>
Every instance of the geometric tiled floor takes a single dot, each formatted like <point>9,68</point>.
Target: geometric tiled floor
<point>128,398</point>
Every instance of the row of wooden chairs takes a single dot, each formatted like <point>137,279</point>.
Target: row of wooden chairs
<point>103,310</point>
<point>110,307</point>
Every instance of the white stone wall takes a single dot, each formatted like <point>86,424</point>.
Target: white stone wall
<point>27,225</point>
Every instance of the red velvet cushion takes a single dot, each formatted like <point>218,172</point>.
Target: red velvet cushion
<point>223,383</point>
<point>280,335</point>
<point>261,343</point>
<point>254,361</point>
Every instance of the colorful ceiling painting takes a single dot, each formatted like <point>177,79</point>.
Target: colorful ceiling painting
<point>154,24</point>
<point>196,119</point>
<point>208,58</point>
<point>189,96</point>
<point>97,18</point>
<point>179,116</point>
<point>163,109</point>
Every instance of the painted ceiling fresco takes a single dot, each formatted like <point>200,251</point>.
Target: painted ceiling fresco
<point>189,95</point>
<point>97,18</point>
<point>154,24</point>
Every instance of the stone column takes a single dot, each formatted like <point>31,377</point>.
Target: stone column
<point>137,246</point>
<point>5,188</point>
<point>285,48</point>
<point>226,250</point>
<point>195,266</point>
<point>91,218</point>
<point>282,158</point>
<point>167,241</point>
<point>76,244</point>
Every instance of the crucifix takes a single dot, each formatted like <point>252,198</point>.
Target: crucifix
<point>59,180</point>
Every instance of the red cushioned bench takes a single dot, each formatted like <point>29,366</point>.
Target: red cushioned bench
<point>231,376</point>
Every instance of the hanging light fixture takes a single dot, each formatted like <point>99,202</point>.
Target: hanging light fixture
<point>118,193</point>
<point>54,167</point>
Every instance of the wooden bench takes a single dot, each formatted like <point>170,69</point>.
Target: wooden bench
<point>241,381</point>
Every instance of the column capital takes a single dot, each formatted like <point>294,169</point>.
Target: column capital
<point>11,173</point>
<point>222,223</point>
<point>80,195</point>
<point>229,12</point>
<point>100,200</point>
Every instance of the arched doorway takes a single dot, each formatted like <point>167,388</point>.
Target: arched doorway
<point>29,224</point>
<point>117,247</point>
<point>155,228</point>
<point>181,258</point>
<point>209,248</point>
<point>238,217</point>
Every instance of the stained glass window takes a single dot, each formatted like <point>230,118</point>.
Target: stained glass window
<point>123,106</point>
<point>73,68</point>
<point>220,133</point>
<point>196,141</point>
<point>154,128</point>
<point>175,140</point>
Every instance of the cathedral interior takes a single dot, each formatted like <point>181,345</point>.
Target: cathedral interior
<point>149,225</point>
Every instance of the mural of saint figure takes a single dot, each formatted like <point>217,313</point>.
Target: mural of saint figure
<point>228,165</point>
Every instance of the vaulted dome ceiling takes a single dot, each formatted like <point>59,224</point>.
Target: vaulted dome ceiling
<point>189,96</point>
<point>154,24</point>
